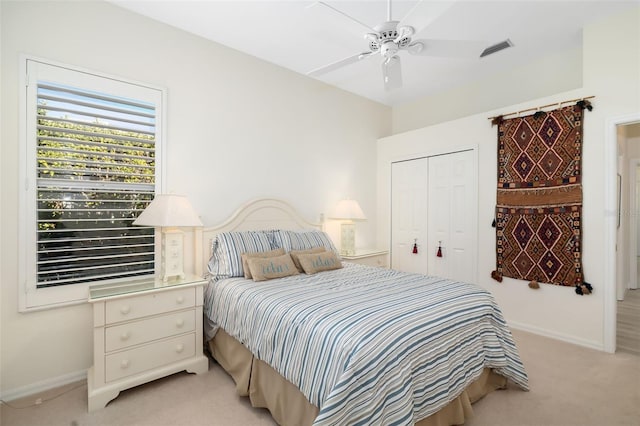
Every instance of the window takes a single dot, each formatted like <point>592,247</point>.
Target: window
<point>91,146</point>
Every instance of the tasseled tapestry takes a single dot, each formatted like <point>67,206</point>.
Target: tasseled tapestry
<point>539,200</point>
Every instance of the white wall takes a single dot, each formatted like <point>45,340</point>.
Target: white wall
<point>545,76</point>
<point>611,72</point>
<point>238,128</point>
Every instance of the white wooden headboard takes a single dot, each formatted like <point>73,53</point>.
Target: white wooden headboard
<point>263,213</point>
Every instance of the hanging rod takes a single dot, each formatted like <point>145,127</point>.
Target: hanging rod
<point>558,104</point>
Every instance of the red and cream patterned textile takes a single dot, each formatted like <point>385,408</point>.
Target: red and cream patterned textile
<point>539,197</point>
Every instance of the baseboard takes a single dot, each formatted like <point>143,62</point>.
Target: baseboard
<point>599,346</point>
<point>45,385</point>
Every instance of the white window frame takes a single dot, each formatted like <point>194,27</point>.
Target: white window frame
<point>32,298</point>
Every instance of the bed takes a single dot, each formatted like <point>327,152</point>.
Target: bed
<point>349,344</point>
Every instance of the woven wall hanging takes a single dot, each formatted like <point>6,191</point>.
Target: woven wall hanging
<point>538,215</point>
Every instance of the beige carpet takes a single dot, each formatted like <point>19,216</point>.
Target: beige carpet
<point>570,385</point>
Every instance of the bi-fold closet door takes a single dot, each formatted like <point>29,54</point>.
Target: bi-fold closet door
<point>434,210</point>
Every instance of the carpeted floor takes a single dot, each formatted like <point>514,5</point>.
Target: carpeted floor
<point>570,385</point>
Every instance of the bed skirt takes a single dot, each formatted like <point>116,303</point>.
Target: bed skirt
<point>289,407</point>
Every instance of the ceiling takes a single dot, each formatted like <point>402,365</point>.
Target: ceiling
<point>299,36</point>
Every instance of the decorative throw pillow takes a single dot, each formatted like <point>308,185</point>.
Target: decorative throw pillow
<point>317,262</point>
<point>295,253</point>
<point>228,247</point>
<point>266,268</point>
<point>263,254</point>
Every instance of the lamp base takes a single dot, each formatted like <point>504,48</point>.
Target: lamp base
<point>172,255</point>
<point>348,239</point>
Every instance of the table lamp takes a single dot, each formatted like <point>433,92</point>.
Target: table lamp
<point>349,211</point>
<point>169,212</point>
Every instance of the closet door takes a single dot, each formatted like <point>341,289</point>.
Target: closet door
<point>409,215</point>
<point>452,216</point>
<point>434,203</point>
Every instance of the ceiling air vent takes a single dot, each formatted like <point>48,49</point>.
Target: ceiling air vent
<point>496,48</point>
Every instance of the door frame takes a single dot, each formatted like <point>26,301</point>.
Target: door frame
<point>610,310</point>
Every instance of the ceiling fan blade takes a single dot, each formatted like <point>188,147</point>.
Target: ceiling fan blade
<point>424,13</point>
<point>339,64</point>
<point>392,73</point>
<point>447,48</point>
<point>361,26</point>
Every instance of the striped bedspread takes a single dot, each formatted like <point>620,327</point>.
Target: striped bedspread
<point>369,345</point>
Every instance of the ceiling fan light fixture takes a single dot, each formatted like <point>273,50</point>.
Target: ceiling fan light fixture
<point>404,33</point>
<point>415,48</point>
<point>371,37</point>
<point>389,49</point>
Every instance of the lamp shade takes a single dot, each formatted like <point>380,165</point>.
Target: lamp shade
<point>348,210</point>
<point>169,210</point>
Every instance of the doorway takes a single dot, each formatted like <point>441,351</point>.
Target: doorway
<point>627,240</point>
<point>634,218</point>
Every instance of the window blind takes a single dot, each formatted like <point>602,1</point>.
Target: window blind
<point>95,175</point>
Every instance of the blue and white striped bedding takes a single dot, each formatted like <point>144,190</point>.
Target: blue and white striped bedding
<point>369,345</point>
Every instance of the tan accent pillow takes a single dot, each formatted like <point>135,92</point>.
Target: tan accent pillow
<point>266,268</point>
<point>295,253</point>
<point>245,256</point>
<point>317,262</point>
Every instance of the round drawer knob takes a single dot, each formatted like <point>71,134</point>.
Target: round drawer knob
<point>180,300</point>
<point>124,364</point>
<point>179,322</point>
<point>179,347</point>
<point>124,310</point>
<point>125,335</point>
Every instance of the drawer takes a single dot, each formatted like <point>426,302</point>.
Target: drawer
<point>133,361</point>
<point>150,304</point>
<point>379,261</point>
<point>147,330</point>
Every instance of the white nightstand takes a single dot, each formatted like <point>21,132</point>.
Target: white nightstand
<point>371,257</point>
<point>144,329</point>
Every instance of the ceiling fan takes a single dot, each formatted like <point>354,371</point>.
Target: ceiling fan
<point>392,37</point>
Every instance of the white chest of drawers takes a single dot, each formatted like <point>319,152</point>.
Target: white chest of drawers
<point>144,330</point>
